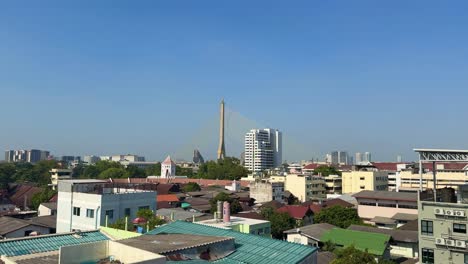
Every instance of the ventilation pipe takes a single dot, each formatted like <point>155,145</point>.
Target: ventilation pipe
<point>226,212</point>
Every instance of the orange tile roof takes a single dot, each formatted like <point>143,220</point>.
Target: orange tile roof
<point>167,198</point>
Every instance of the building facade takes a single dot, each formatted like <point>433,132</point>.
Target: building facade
<point>89,204</point>
<point>364,179</point>
<point>306,187</point>
<point>333,184</point>
<point>59,174</point>
<point>263,149</point>
<point>385,204</point>
<point>340,158</point>
<point>168,168</point>
<point>264,191</point>
<point>32,155</point>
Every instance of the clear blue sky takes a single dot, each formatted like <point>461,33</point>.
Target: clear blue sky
<point>143,77</point>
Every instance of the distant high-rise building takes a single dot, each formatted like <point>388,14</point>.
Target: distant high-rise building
<point>242,158</point>
<point>263,149</point>
<point>91,159</point>
<point>367,157</point>
<point>32,155</point>
<point>197,157</point>
<point>358,157</point>
<point>339,158</point>
<point>399,159</point>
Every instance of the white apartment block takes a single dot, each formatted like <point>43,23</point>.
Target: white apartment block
<point>88,204</point>
<point>263,149</point>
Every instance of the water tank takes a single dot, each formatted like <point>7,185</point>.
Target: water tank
<point>446,195</point>
<point>226,212</point>
<point>220,209</point>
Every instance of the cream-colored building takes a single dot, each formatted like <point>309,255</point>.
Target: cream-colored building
<point>59,174</point>
<point>333,184</point>
<point>409,179</point>
<point>306,187</point>
<point>364,179</point>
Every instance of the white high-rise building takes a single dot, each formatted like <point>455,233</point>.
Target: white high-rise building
<point>367,157</point>
<point>340,158</point>
<point>263,149</point>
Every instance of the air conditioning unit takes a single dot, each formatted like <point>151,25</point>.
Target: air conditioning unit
<point>450,243</point>
<point>459,213</point>
<point>460,244</point>
<point>440,241</point>
<point>439,211</point>
<point>449,212</point>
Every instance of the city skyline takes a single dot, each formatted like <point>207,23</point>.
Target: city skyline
<point>77,80</point>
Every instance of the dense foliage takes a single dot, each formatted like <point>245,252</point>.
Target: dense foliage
<point>339,216</point>
<point>235,205</point>
<point>26,172</point>
<point>191,187</point>
<point>351,255</point>
<point>42,197</point>
<point>280,222</point>
<point>325,170</point>
<point>227,169</point>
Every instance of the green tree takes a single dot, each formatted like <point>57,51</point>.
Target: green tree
<point>191,187</point>
<point>339,216</point>
<point>120,223</point>
<point>329,246</point>
<point>133,171</point>
<point>234,203</point>
<point>280,222</point>
<point>227,169</point>
<point>7,172</point>
<point>325,170</point>
<point>153,170</point>
<point>351,255</point>
<point>112,173</point>
<point>42,197</point>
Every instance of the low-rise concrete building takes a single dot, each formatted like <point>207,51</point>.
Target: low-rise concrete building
<point>386,204</point>
<point>306,187</point>
<point>241,224</point>
<point>264,191</point>
<point>13,228</point>
<point>89,204</point>
<point>308,235</point>
<point>333,184</point>
<point>59,174</point>
<point>364,178</point>
<point>47,209</point>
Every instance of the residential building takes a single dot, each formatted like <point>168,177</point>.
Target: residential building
<point>308,235</point>
<point>127,157</point>
<point>333,184</point>
<point>403,243</point>
<point>88,204</point>
<point>372,204</point>
<point>306,187</point>
<point>443,230</point>
<point>139,164</point>
<point>32,155</point>
<point>302,214</point>
<point>393,169</point>
<point>364,178</point>
<point>241,224</point>
<point>265,191</point>
<point>47,209</point>
<point>13,228</point>
<point>58,175</point>
<point>91,159</point>
<point>263,149</point>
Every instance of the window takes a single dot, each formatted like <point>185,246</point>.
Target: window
<point>90,213</point>
<point>110,214</point>
<point>127,211</point>
<point>361,178</point>
<point>459,228</point>
<point>76,211</point>
<point>427,229</point>
<point>427,256</point>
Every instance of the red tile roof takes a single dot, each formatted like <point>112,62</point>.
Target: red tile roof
<point>316,208</point>
<point>386,166</point>
<point>457,166</point>
<point>54,198</point>
<point>337,201</point>
<point>167,198</point>
<point>295,211</point>
<point>311,166</point>
<point>24,192</point>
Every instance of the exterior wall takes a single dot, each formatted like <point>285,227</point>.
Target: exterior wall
<point>356,181</point>
<point>312,259</point>
<point>306,187</point>
<point>442,228</point>
<point>118,203</point>
<point>263,191</point>
<point>127,254</point>
<point>333,184</point>
<point>301,239</point>
<point>407,250</point>
<point>21,232</point>
<point>369,211</point>
<point>263,149</point>
<point>84,252</point>
<point>42,211</point>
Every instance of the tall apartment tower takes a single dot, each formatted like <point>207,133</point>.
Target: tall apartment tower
<point>221,148</point>
<point>367,157</point>
<point>339,158</point>
<point>358,158</point>
<point>263,149</point>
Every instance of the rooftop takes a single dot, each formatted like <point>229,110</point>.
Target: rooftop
<point>405,217</point>
<point>375,243</point>
<point>167,198</point>
<point>396,234</point>
<point>179,214</point>
<point>386,195</point>
<point>46,243</point>
<point>234,221</point>
<point>383,220</point>
<point>249,248</point>
<point>315,231</point>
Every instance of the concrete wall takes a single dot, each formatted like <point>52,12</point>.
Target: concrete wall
<point>369,212</point>
<point>20,232</point>
<point>407,250</point>
<point>297,186</point>
<point>42,211</point>
<point>210,252</point>
<point>301,239</point>
<point>262,191</point>
<point>85,252</point>
<point>356,181</point>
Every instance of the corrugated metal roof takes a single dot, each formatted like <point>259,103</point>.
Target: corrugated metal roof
<point>30,245</point>
<point>249,248</point>
<point>375,243</point>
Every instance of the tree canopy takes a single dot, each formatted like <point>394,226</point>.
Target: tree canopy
<point>280,222</point>
<point>227,169</point>
<point>325,170</point>
<point>27,172</point>
<point>234,203</point>
<point>339,216</point>
<point>351,255</point>
<point>191,187</point>
<point>42,197</point>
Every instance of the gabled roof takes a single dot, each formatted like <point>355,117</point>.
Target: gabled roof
<point>49,221</point>
<point>405,217</point>
<point>315,231</point>
<point>295,211</point>
<point>10,224</point>
<point>168,161</point>
<point>375,243</point>
<point>250,215</point>
<point>383,220</point>
<point>311,166</point>
<point>411,226</point>
<point>396,234</point>
<point>274,204</point>
<point>249,248</point>
<point>51,206</point>
<point>387,166</point>
<point>337,201</point>
<point>167,198</point>
<point>46,243</point>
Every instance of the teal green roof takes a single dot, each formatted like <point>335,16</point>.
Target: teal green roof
<point>249,248</point>
<point>30,245</point>
<point>185,205</point>
<point>375,243</point>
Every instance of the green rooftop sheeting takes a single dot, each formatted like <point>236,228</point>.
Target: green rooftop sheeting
<point>374,243</point>
<point>185,205</point>
<point>249,248</point>
<point>30,245</point>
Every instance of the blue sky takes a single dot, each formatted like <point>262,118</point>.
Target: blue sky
<point>146,76</point>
